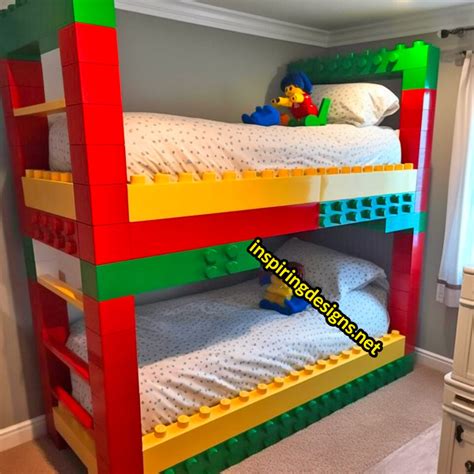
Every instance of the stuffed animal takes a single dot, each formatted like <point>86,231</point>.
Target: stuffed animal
<point>297,88</point>
<point>279,296</point>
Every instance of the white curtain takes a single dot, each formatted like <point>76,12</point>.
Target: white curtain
<point>458,248</point>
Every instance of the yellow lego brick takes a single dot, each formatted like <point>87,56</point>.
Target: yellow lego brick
<point>63,290</point>
<point>370,181</point>
<point>165,199</point>
<point>190,435</point>
<point>76,436</point>
<point>50,191</point>
<point>46,108</point>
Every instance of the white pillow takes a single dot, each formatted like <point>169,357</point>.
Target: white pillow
<point>335,273</point>
<point>361,104</point>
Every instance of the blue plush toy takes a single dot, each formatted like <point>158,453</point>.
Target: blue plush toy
<point>279,296</point>
<point>266,116</point>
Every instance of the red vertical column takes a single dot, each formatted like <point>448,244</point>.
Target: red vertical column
<point>416,136</point>
<point>50,320</point>
<point>113,371</point>
<point>405,284</point>
<point>90,65</point>
<point>21,84</point>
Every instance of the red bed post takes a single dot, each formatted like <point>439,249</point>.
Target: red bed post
<point>416,135</point>
<point>90,65</point>
<point>21,85</point>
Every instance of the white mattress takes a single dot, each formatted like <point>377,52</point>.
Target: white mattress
<point>171,144</point>
<point>196,350</point>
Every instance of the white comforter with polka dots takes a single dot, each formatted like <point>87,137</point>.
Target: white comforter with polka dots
<point>171,144</point>
<point>198,349</point>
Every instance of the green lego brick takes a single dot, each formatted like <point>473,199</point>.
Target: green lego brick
<point>131,277</point>
<point>94,12</point>
<point>372,208</point>
<point>29,255</point>
<point>250,442</point>
<point>313,120</point>
<point>417,64</point>
<point>32,25</point>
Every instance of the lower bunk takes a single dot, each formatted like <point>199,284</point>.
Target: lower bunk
<point>221,379</point>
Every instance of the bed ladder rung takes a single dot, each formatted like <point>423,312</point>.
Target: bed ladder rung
<point>76,409</point>
<point>63,290</point>
<point>69,358</point>
<point>41,110</point>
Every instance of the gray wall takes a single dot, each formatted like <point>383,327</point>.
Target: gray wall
<point>168,67</point>
<point>182,69</point>
<point>437,324</point>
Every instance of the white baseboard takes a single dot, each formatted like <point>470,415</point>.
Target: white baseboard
<point>23,432</point>
<point>434,361</point>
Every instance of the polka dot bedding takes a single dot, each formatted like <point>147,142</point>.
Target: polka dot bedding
<point>198,349</point>
<point>171,144</point>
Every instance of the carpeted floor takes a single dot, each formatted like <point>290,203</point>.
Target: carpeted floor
<point>420,455</point>
<point>354,439</point>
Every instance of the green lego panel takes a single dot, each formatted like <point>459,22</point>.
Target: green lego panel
<point>419,63</point>
<point>131,277</point>
<point>29,255</point>
<point>236,449</point>
<point>372,208</point>
<point>29,28</point>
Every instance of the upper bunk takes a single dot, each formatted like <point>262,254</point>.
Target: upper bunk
<point>97,213</point>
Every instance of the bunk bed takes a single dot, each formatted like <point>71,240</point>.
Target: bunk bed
<point>130,236</point>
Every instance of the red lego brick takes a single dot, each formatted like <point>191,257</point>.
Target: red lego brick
<point>112,243</point>
<point>101,204</point>
<point>80,42</point>
<point>404,300</point>
<point>415,99</point>
<point>23,96</point>
<point>114,384</point>
<point>57,232</point>
<point>21,73</point>
<point>218,229</point>
<point>417,119</point>
<point>95,124</point>
<point>33,157</point>
<point>27,131</point>
<point>88,83</point>
<point>405,281</point>
<point>76,409</point>
<point>111,316</point>
<point>416,146</point>
<point>99,345</point>
<point>99,164</point>
<point>102,244</point>
<point>406,323</point>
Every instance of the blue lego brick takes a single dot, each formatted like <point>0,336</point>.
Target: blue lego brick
<point>372,208</point>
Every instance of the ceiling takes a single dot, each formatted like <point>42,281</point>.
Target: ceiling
<point>317,22</point>
<point>334,14</point>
